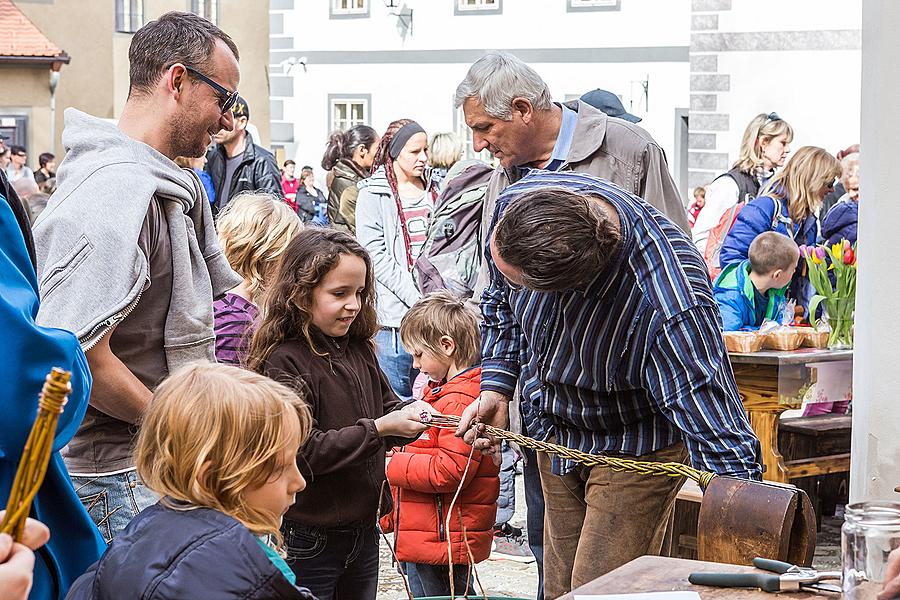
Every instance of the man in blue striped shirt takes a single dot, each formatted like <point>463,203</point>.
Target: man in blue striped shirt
<point>600,308</point>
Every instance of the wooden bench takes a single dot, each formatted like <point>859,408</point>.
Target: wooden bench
<point>817,458</point>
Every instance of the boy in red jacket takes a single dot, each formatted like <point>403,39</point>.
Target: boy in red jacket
<point>442,335</point>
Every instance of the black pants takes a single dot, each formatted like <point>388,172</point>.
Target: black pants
<point>334,564</point>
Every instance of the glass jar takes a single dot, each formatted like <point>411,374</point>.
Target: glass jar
<point>871,530</point>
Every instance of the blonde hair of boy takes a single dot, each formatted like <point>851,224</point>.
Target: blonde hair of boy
<point>761,129</point>
<point>770,251</point>
<point>802,179</point>
<point>254,229</point>
<point>445,150</point>
<point>213,432</point>
<point>438,314</point>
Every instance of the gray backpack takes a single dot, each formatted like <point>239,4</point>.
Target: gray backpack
<point>451,256</point>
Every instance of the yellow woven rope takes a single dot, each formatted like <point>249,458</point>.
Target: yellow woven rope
<point>640,467</point>
<point>36,455</point>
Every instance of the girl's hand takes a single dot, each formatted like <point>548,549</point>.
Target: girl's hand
<point>422,410</point>
<point>400,423</point>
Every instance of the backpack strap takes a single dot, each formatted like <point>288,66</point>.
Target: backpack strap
<point>748,186</point>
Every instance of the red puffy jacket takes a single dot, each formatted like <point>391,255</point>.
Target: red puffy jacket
<point>425,475</point>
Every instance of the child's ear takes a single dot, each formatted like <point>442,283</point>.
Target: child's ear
<point>776,273</point>
<point>448,346</point>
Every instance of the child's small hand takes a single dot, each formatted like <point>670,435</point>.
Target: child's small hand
<point>400,423</point>
<point>422,410</point>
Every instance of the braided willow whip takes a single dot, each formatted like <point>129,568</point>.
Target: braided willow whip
<point>33,464</point>
<point>640,467</point>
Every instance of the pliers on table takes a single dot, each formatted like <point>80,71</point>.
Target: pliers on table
<point>788,578</point>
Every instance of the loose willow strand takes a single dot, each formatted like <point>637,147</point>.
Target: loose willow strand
<point>640,467</point>
<point>36,455</point>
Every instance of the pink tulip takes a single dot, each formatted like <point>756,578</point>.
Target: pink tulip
<point>820,253</point>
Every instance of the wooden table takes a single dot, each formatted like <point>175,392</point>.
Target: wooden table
<point>771,382</point>
<point>659,574</point>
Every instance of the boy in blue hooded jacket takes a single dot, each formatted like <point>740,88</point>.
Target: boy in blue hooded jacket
<point>752,291</point>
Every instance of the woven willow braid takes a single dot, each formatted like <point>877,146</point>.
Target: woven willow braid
<point>640,467</point>
<point>36,455</point>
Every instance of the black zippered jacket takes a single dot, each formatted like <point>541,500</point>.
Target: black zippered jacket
<point>257,171</point>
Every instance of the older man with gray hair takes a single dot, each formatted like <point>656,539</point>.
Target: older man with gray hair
<point>511,113</point>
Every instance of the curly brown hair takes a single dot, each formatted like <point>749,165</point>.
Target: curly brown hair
<point>287,303</point>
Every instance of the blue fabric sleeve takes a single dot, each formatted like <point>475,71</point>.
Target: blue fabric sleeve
<point>690,379</point>
<point>730,308</point>
<point>30,351</point>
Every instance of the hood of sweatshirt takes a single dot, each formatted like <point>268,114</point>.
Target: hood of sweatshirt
<point>377,183</point>
<point>90,268</point>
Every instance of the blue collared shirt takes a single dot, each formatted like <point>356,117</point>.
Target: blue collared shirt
<point>563,139</point>
<point>631,364</point>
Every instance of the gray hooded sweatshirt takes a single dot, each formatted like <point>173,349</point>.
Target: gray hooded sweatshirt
<point>91,271</point>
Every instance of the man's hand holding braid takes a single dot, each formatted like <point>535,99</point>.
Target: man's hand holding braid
<point>491,408</point>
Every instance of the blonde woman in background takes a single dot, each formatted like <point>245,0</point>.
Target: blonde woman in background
<point>445,151</point>
<point>788,205</point>
<point>254,229</point>
<point>764,148</point>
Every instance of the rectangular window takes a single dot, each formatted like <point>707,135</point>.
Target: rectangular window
<point>480,7</point>
<point>208,9</point>
<point>129,15</point>
<point>586,5</point>
<point>346,111</point>
<point>465,134</point>
<point>349,8</point>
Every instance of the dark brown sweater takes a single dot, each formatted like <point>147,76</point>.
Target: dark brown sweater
<point>346,391</point>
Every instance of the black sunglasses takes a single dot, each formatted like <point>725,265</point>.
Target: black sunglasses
<point>772,117</point>
<point>226,98</point>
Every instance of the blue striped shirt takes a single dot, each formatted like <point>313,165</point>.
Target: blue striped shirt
<point>635,361</point>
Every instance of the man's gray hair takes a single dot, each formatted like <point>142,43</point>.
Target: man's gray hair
<point>496,79</point>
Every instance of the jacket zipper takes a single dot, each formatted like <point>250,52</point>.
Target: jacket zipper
<point>440,507</point>
<point>93,337</point>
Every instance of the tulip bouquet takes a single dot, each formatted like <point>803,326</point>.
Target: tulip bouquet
<point>832,272</point>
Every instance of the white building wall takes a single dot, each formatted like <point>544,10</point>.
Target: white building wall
<point>800,59</point>
<point>416,77</point>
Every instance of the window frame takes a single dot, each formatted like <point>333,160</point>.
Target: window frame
<point>459,9</point>
<point>128,20</point>
<point>575,6</point>
<point>465,134</point>
<point>199,8</point>
<point>336,12</point>
<point>349,100</point>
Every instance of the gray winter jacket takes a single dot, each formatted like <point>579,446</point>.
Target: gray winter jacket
<point>91,271</point>
<point>378,229</point>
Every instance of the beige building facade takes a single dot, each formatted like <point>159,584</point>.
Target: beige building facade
<point>96,35</point>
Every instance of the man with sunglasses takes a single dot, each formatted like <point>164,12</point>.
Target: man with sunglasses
<point>238,165</point>
<point>127,254</point>
<point>17,169</point>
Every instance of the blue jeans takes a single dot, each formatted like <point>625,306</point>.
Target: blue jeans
<point>395,362</point>
<point>334,564</point>
<point>434,580</point>
<point>113,501</point>
<point>534,505</point>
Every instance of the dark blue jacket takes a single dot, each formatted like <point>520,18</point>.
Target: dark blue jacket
<point>735,294</point>
<point>29,352</point>
<point>757,217</point>
<point>840,222</point>
<point>167,554</point>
